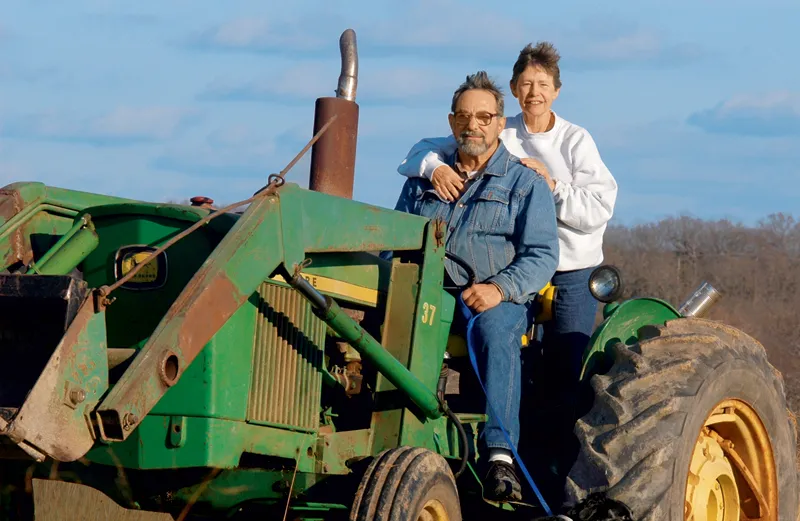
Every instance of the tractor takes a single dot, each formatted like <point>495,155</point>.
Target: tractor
<point>270,363</point>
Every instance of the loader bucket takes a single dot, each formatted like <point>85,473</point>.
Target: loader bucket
<point>53,363</point>
<point>34,314</point>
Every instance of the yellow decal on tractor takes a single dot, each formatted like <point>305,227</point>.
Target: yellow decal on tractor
<point>152,275</point>
<point>340,288</point>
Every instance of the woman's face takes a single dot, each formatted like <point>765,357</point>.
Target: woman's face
<point>535,91</point>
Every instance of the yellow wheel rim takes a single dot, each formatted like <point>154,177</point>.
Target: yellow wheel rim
<point>732,470</point>
<point>433,511</point>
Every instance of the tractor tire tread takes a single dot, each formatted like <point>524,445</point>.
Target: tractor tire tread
<point>631,438</point>
<point>403,479</point>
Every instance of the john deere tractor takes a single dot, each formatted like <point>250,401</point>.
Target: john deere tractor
<point>210,364</point>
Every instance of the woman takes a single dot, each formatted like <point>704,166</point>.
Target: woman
<point>584,191</point>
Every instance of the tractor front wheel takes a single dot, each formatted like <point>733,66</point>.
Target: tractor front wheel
<point>407,484</point>
<point>691,423</point>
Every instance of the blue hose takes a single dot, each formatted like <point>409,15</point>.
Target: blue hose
<point>470,318</point>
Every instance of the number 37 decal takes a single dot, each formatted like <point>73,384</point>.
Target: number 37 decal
<point>428,312</point>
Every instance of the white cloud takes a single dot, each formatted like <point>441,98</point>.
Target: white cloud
<point>304,81</point>
<point>637,46</point>
<point>148,122</point>
<point>123,125</point>
<point>783,100</point>
<point>439,31</point>
<point>309,80</point>
<point>770,114</point>
<point>235,150</point>
<point>260,34</point>
<point>426,27</point>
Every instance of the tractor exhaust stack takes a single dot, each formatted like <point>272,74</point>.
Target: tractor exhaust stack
<point>333,157</point>
<point>698,304</point>
<point>348,77</point>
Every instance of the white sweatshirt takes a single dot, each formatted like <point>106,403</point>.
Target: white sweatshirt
<point>585,190</point>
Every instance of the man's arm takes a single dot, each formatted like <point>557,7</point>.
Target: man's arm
<point>426,156</point>
<point>587,203</point>
<point>537,248</point>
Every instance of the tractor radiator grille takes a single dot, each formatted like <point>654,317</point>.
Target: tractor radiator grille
<point>287,360</point>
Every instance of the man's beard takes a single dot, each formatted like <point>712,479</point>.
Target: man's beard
<point>472,148</point>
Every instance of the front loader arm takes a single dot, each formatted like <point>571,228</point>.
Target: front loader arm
<point>276,231</point>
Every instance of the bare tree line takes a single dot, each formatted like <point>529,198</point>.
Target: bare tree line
<point>755,267</point>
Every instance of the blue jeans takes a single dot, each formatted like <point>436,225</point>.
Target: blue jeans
<point>558,367</point>
<point>497,339</point>
<point>566,337</point>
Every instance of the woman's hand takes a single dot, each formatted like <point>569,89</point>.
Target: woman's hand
<point>538,166</point>
<point>447,182</point>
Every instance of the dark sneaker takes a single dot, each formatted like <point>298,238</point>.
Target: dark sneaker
<point>501,483</point>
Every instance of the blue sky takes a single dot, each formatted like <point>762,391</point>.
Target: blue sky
<point>695,105</point>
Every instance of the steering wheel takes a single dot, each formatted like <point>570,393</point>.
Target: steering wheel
<point>470,272</point>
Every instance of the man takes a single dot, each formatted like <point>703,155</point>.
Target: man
<point>504,226</point>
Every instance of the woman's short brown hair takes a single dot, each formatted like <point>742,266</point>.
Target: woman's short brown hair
<point>543,55</point>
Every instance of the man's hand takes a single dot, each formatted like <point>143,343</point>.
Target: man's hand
<point>535,164</point>
<point>481,297</point>
<point>447,182</point>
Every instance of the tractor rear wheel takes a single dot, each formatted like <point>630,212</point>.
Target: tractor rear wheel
<point>407,484</point>
<point>690,423</point>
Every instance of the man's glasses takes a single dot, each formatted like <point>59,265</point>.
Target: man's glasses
<point>483,118</point>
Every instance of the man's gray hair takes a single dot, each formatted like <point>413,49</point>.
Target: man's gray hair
<point>479,80</point>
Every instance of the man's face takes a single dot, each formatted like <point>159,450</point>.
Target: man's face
<point>475,124</point>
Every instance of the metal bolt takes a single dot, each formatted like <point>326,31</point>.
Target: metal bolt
<point>77,396</point>
<point>129,420</point>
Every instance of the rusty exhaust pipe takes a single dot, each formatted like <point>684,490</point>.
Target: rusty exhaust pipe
<point>333,157</point>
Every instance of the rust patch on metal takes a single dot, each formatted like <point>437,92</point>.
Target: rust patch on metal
<point>11,203</point>
<point>333,157</point>
<point>207,313</point>
<point>439,232</point>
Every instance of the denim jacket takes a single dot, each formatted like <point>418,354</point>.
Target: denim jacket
<point>504,225</point>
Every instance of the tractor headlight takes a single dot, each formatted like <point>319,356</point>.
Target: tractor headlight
<point>605,283</point>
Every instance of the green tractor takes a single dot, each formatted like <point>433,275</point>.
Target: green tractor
<point>217,365</point>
